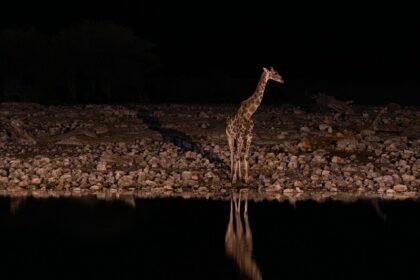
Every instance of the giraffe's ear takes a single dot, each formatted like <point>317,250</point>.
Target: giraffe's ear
<point>271,68</point>
<point>265,69</point>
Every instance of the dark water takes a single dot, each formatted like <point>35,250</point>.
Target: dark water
<point>185,239</point>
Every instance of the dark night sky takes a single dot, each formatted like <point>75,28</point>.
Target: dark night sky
<point>303,41</point>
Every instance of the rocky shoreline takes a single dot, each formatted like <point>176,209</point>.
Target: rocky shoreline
<point>180,150</point>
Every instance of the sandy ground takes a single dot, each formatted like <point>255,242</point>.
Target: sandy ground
<point>180,150</point>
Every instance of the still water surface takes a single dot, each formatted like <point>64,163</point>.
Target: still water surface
<point>199,239</point>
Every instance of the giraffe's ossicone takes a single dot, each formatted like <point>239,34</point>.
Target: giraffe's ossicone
<point>239,127</point>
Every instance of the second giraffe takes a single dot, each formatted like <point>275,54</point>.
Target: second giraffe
<point>239,127</point>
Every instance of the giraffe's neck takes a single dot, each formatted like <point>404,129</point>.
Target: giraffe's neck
<point>250,105</point>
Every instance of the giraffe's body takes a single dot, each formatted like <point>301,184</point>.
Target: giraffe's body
<point>239,127</point>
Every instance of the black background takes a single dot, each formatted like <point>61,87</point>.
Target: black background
<point>349,50</point>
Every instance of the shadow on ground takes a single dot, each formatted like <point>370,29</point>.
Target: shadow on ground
<point>179,138</point>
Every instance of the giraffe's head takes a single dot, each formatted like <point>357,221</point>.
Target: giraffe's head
<point>273,75</point>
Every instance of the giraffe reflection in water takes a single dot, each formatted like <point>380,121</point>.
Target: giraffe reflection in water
<point>238,239</point>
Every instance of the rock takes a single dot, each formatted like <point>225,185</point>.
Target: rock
<point>119,174</point>
<point>388,180</point>
<point>293,164</point>
<point>157,190</point>
<point>337,159</point>
<point>408,178</point>
<point>36,181</point>
<point>305,129</point>
<point>282,135</point>
<point>390,192</point>
<point>274,188</point>
<point>298,184</point>
<point>23,183</point>
<point>96,187</point>
<point>125,181</point>
<point>288,191</point>
<point>348,144</point>
<point>298,111</point>
<point>275,176</point>
<point>186,175</point>
<point>305,145</point>
<point>101,166</point>
<point>150,183</point>
<point>53,131</point>
<point>141,177</point>
<point>92,178</point>
<point>367,132</point>
<point>319,158</point>
<point>314,178</point>
<point>168,186</point>
<point>4,180</point>
<point>298,190</point>
<point>209,174</point>
<point>400,188</point>
<point>266,180</point>
<point>3,172</point>
<point>57,172</point>
<point>101,130</point>
<point>324,127</point>
<point>381,190</point>
<point>65,178</point>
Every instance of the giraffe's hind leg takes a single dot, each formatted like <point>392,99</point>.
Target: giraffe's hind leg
<point>247,146</point>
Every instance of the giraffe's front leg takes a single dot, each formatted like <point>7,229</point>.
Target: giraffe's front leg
<point>239,153</point>
<point>247,146</point>
<point>237,164</point>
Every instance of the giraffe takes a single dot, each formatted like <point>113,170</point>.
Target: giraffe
<point>239,127</point>
<point>238,240</point>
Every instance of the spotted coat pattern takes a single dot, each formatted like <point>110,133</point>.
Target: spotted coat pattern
<point>239,127</point>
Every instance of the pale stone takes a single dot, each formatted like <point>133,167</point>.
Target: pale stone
<point>400,188</point>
